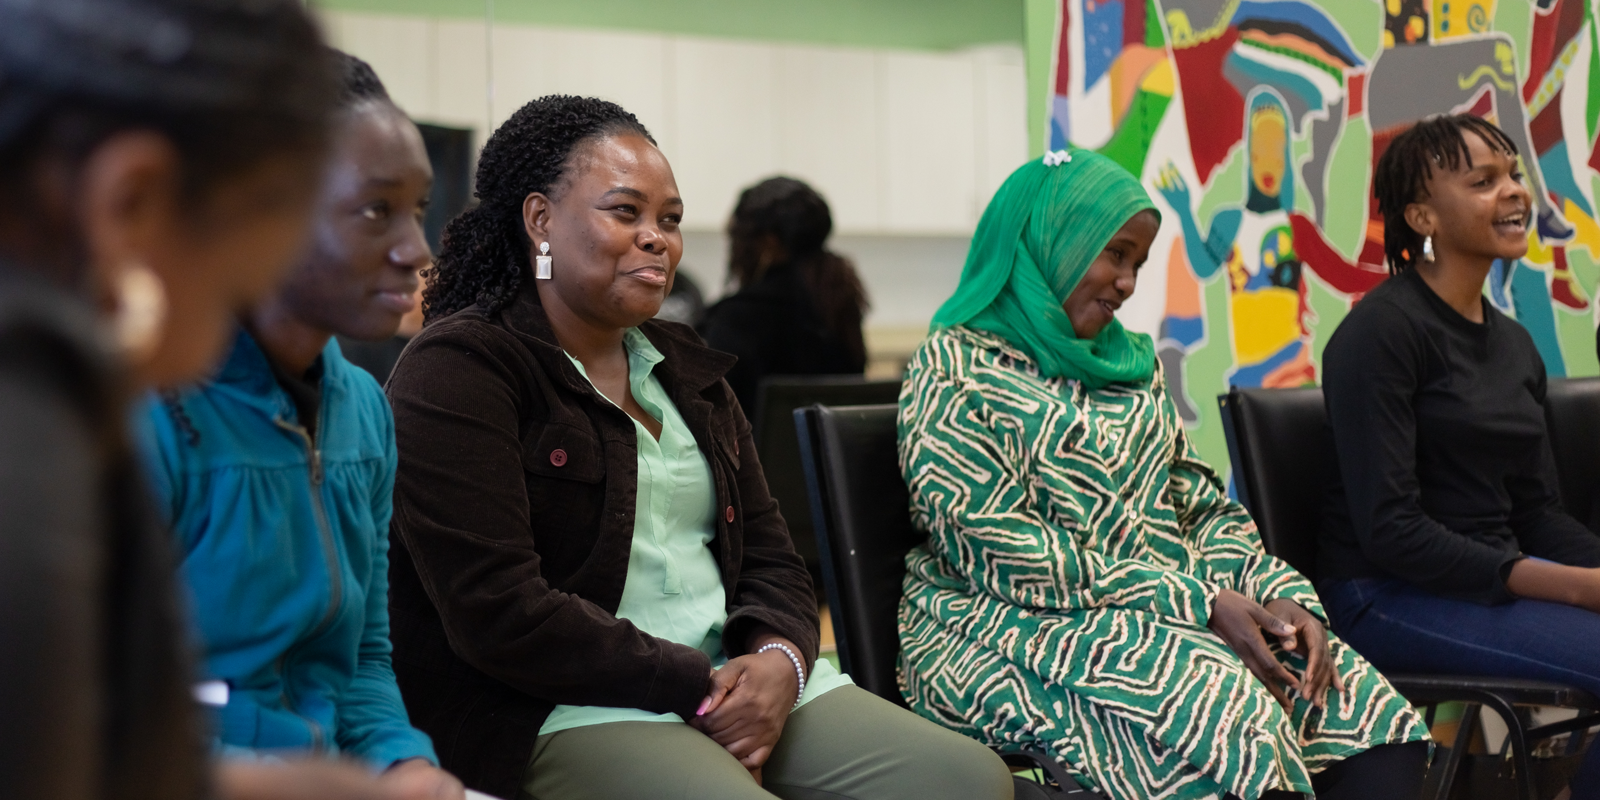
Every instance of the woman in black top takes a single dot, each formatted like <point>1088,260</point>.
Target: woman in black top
<point>799,306</point>
<point>1444,548</point>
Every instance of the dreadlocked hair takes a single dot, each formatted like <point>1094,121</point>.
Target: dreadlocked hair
<point>483,257</point>
<point>1406,167</point>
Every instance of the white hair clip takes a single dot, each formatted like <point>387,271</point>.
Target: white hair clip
<point>1057,157</point>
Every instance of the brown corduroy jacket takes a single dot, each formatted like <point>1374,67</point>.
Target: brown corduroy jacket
<point>513,520</point>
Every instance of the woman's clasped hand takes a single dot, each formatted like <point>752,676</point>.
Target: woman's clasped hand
<point>749,702</point>
<point>1240,621</point>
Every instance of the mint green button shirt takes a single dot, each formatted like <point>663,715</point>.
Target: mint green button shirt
<point>674,589</point>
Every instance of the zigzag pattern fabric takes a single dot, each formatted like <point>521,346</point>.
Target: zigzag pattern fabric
<point>1076,543</point>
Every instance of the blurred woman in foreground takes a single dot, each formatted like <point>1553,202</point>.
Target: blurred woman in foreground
<point>158,160</point>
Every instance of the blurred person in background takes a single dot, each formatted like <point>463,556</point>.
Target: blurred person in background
<point>798,306</point>
<point>276,472</point>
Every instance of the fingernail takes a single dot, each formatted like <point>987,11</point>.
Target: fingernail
<point>702,709</point>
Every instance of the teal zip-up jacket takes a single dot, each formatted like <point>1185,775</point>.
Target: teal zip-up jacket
<point>284,544</point>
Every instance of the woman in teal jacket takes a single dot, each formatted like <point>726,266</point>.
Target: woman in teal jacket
<point>277,473</point>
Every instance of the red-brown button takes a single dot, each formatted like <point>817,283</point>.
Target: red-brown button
<point>558,457</point>
<point>728,515</point>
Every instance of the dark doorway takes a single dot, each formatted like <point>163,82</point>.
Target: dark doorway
<point>450,152</point>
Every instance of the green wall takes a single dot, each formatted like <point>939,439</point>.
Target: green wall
<point>915,24</point>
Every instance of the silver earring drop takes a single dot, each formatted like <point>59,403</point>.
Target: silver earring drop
<point>1427,248</point>
<point>541,268</point>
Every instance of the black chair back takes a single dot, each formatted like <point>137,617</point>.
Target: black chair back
<point>1283,458</point>
<point>1572,412</point>
<point>773,419</point>
<point>862,513</point>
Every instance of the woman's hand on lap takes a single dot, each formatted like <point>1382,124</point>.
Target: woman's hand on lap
<point>1310,641</point>
<point>748,704</point>
<point>1239,621</point>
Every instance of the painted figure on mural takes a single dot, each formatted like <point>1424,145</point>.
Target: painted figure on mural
<point>1183,82</point>
<point>1223,51</point>
<point>1268,310</point>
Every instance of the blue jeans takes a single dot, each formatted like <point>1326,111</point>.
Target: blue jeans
<point>1401,628</point>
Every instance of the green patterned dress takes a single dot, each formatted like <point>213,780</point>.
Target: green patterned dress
<point>1076,544</point>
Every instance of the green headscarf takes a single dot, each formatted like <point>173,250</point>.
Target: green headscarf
<point>1035,242</point>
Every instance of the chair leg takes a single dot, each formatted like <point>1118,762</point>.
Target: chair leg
<point>1517,740</point>
<point>1452,763</point>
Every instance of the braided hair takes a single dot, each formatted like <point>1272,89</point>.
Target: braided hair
<point>797,218</point>
<point>1406,167</point>
<point>483,257</point>
<point>358,83</point>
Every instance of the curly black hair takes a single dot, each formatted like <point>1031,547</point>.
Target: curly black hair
<point>1406,167</point>
<point>358,83</point>
<point>483,257</point>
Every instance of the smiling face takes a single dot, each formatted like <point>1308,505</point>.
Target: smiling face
<point>1480,211</point>
<point>612,226</point>
<point>360,276</point>
<point>1111,278</point>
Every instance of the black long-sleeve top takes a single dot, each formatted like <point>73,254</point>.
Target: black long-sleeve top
<point>1445,471</point>
<point>774,328</point>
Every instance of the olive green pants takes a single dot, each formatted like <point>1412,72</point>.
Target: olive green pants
<point>845,745</point>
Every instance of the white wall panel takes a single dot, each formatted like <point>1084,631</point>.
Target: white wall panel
<point>902,143</point>
<point>400,49</point>
<point>524,67</point>
<point>460,81</point>
<point>627,69</point>
<point>724,108</point>
<point>827,112</point>
<point>929,142</point>
<point>1002,119</point>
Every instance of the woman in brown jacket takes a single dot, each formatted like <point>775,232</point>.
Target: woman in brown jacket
<point>593,594</point>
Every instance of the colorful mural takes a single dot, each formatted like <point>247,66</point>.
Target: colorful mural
<point>1258,122</point>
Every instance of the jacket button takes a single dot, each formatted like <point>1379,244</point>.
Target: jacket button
<point>558,457</point>
<point>728,515</point>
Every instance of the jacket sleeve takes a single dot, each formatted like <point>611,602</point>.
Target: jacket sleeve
<point>962,460</point>
<point>1230,549</point>
<point>51,599</point>
<point>773,586</point>
<point>462,513</point>
<point>1371,370</point>
<point>372,718</point>
<point>1542,525</point>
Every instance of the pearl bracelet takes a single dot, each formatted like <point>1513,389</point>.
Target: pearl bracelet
<point>799,671</point>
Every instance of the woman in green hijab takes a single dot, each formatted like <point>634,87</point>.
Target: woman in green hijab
<point>1087,586</point>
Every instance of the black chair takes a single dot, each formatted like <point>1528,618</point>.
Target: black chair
<point>861,511</point>
<point>773,419</point>
<point>1572,409</point>
<point>1282,452</point>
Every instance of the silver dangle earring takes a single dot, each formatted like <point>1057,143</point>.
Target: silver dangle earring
<point>541,269</point>
<point>1427,248</point>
